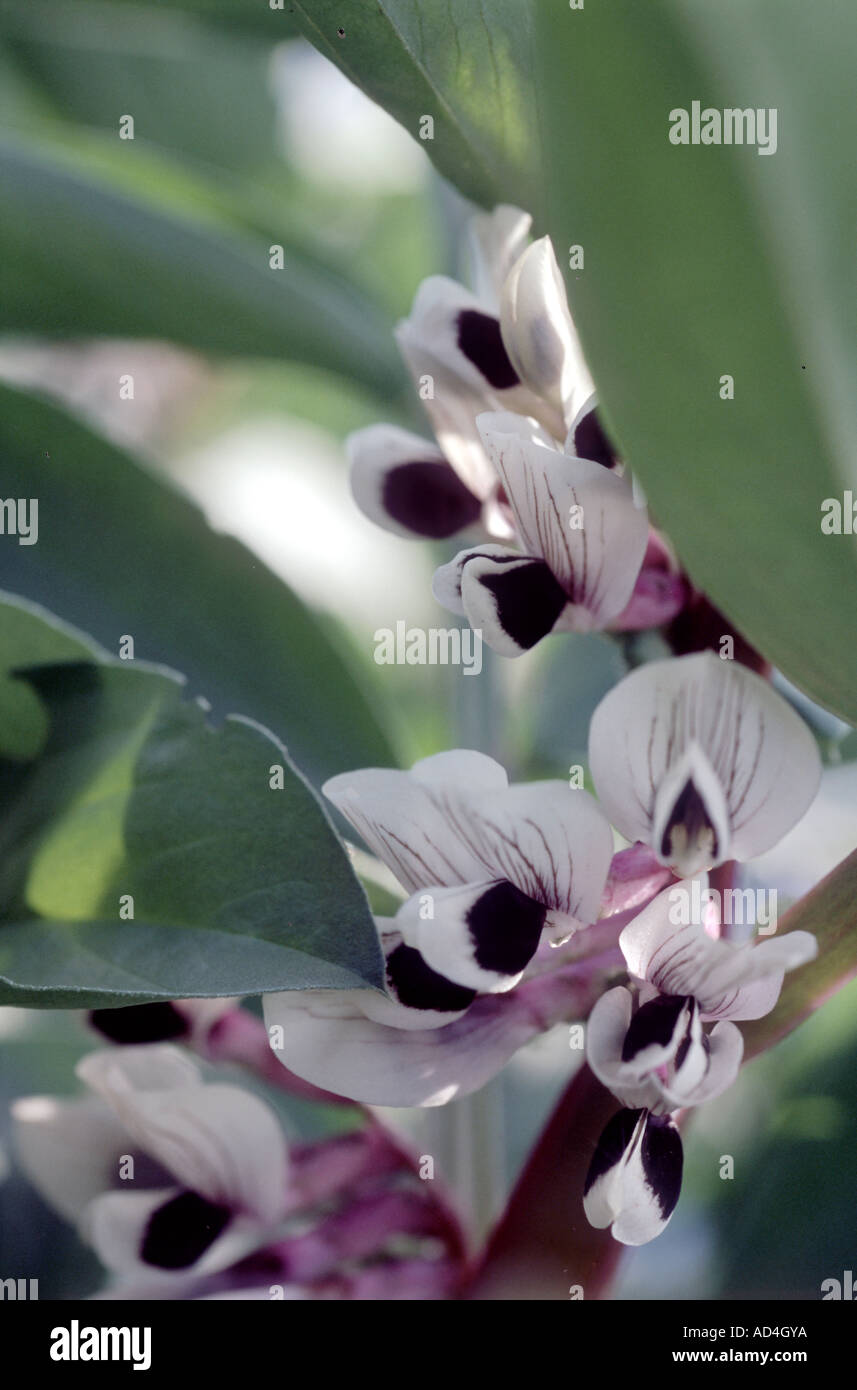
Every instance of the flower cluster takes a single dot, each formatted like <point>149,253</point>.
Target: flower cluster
<point>520,906</point>
<point>518,914</point>
<point>188,1189</point>
<point>521,457</point>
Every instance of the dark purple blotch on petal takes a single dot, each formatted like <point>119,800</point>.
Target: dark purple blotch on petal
<point>140,1023</point>
<point>690,812</point>
<point>529,599</point>
<point>481,341</point>
<point>615,1138</point>
<point>505,926</point>
<point>417,986</point>
<point>663,1161</point>
<point>654,1024</point>
<point>182,1229</point>
<point>660,1155</point>
<point>591,441</point>
<point>428,497</point>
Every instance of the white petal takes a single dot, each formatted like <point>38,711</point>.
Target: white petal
<point>605,1034</point>
<point>328,1040</point>
<point>116,1225</point>
<point>496,241</point>
<point>577,516</point>
<point>511,600</point>
<point>763,757</point>
<point>481,936</point>
<point>744,982</point>
<point>454,820</point>
<point>444,321</point>
<point>402,816</point>
<point>121,1070</point>
<point>69,1149</point>
<point>551,841</point>
<point>538,332</point>
<point>726,1049</point>
<point>634,1180</point>
<point>721,975</point>
<point>417,997</point>
<point>217,1140</point>
<point>406,485</point>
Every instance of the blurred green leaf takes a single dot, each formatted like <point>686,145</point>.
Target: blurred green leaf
<point>128,554</point>
<point>129,256</point>
<point>153,17</point>
<point>183,81</point>
<point>467,66</point>
<point>704,261</point>
<point>239,885</point>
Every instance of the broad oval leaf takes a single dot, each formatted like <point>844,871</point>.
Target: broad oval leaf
<point>466,66</point>
<point>710,261</point>
<point>147,855</point>
<point>130,555</point>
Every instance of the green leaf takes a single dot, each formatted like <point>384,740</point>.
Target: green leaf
<point>23,643</point>
<point>153,19</point>
<point>466,65</point>
<point>238,885</point>
<point>710,260</point>
<point>131,556</point>
<point>146,250</point>
<point>182,80</point>
<point>829,911</point>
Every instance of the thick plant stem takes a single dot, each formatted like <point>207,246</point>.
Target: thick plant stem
<point>543,1247</point>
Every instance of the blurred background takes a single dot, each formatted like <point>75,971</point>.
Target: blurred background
<point>236,131</point>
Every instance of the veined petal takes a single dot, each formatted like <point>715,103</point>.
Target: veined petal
<point>496,240</point>
<point>552,842</point>
<point>723,977</point>
<point>454,820</point>
<point>406,485</point>
<point>539,335</point>
<point>328,1040</point>
<point>402,816</point>
<point>576,516</point>
<point>217,1140</point>
<point>634,1180</point>
<point>726,729</point>
<point>482,936</point>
